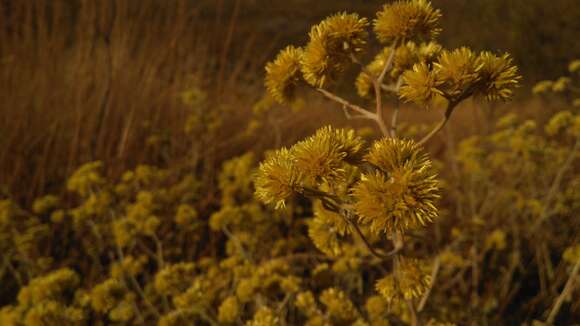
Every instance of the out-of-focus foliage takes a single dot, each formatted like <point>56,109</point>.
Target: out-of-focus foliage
<point>567,86</point>
<point>137,249</point>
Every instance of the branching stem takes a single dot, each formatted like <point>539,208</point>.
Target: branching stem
<point>347,104</point>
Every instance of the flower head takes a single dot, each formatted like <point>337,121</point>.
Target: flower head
<point>174,279</point>
<point>404,20</point>
<point>229,310</point>
<point>338,304</point>
<point>498,77</point>
<point>421,85</point>
<point>459,70</point>
<point>325,236</point>
<point>331,45</point>
<point>413,280</point>
<point>264,317</point>
<point>277,178</point>
<point>283,74</point>
<point>401,194</point>
<point>321,157</point>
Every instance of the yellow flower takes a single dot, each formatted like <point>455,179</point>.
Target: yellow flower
<point>498,77</point>
<point>185,215</point>
<point>178,317</point>
<point>331,45</point>
<point>229,310</point>
<point>542,86</point>
<point>283,74</point>
<point>429,52</point>
<point>246,289</point>
<point>376,307</point>
<point>341,226</point>
<point>325,237</point>
<point>45,204</point>
<point>561,84</point>
<point>496,240</point>
<point>572,254</point>
<point>129,266</point>
<point>124,311</point>
<point>306,304</point>
<point>338,304</point>
<point>560,121</point>
<point>404,20</point>
<point>175,278</point>
<point>401,194</point>
<point>421,85</point>
<point>105,296</point>
<point>53,286</point>
<point>459,70</point>
<point>277,178</point>
<point>321,157</point>
<point>264,317</point>
<point>53,313</point>
<point>412,281</point>
<point>86,179</point>
<point>364,82</point>
<point>197,295</point>
<point>124,231</point>
<point>574,66</point>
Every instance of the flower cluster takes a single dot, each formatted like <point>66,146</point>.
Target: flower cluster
<point>404,20</point>
<point>402,191</point>
<point>459,74</point>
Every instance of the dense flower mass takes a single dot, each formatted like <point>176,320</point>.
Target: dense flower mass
<point>331,45</point>
<point>402,193</point>
<point>283,74</point>
<point>405,57</point>
<point>404,20</point>
<point>319,158</point>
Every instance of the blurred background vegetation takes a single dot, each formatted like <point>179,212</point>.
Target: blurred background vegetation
<point>86,80</point>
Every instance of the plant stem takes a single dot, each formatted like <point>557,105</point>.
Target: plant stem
<point>394,119</point>
<point>373,251</point>
<point>565,293</point>
<point>237,243</point>
<point>450,107</point>
<point>379,96</point>
<point>136,285</point>
<point>434,273</point>
<point>556,184</point>
<point>347,104</point>
<point>388,64</point>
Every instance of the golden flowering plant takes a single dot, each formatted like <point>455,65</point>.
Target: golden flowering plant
<point>389,189</point>
<point>337,229</point>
